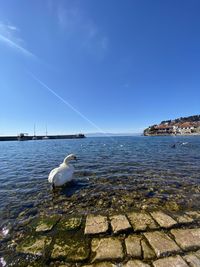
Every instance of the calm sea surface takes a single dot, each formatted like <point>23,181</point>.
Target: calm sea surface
<point>112,174</point>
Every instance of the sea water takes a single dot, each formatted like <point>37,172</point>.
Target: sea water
<point>112,173</point>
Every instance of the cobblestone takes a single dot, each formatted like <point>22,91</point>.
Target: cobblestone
<point>163,219</point>
<point>148,252</point>
<point>184,218</point>
<point>101,264</point>
<point>133,246</point>
<point>197,253</point>
<point>106,249</point>
<point>141,221</point>
<point>192,260</point>
<point>176,261</point>
<point>136,263</point>
<point>187,238</point>
<point>71,248</point>
<point>96,224</point>
<point>119,223</point>
<point>162,244</point>
<point>133,240</point>
<point>194,214</point>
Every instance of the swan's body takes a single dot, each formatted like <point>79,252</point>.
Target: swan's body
<point>62,174</point>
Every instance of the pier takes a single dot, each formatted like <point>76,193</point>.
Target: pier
<point>42,137</point>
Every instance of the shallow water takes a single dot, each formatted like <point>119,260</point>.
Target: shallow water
<point>112,174</point>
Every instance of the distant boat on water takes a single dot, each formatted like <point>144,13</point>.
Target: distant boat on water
<point>34,136</point>
<point>46,136</point>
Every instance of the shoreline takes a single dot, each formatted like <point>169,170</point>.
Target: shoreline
<point>174,135</point>
<point>142,238</point>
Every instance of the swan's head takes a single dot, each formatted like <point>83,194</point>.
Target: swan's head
<point>69,157</point>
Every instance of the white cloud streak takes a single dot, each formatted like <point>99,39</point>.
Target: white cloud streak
<point>8,37</point>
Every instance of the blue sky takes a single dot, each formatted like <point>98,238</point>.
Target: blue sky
<point>90,66</point>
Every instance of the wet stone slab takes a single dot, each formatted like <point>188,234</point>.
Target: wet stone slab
<point>101,264</point>
<point>163,219</point>
<point>34,245</point>
<point>96,224</point>
<point>161,243</point>
<point>69,224</point>
<point>187,238</point>
<point>70,248</point>
<point>197,253</point>
<point>194,214</point>
<point>176,261</point>
<point>106,249</point>
<point>192,260</point>
<point>141,221</point>
<point>133,246</point>
<point>147,251</point>
<point>136,263</point>
<point>119,223</point>
<point>45,224</point>
<point>184,218</point>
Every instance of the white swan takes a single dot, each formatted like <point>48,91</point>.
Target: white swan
<point>62,174</point>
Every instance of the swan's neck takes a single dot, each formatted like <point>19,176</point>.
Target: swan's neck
<point>65,161</point>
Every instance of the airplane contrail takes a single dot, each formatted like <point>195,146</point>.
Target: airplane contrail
<point>66,102</point>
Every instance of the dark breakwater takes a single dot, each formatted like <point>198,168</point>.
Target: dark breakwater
<point>41,137</point>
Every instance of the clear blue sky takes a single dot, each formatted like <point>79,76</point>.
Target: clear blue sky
<point>121,64</point>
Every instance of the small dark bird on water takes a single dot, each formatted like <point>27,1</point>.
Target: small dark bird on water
<point>173,146</point>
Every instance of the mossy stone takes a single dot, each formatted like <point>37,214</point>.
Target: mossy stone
<point>70,223</point>
<point>34,245</point>
<point>172,205</point>
<point>71,248</point>
<point>46,223</point>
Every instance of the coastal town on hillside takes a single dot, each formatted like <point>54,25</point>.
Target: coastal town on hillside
<point>181,126</point>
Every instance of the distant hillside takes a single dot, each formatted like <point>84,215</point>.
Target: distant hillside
<point>195,118</point>
<point>181,126</point>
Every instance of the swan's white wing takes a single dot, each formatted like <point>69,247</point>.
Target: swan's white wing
<point>62,175</point>
<point>52,174</point>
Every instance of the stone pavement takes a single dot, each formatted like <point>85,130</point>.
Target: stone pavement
<point>136,239</point>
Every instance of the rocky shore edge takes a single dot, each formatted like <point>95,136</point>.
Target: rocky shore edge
<point>133,239</point>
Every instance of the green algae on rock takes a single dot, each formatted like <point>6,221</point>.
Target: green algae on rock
<point>70,247</point>
<point>46,223</point>
<point>69,223</point>
<point>101,264</point>
<point>34,245</point>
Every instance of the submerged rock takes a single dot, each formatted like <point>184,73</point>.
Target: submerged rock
<point>34,245</point>
<point>70,248</point>
<point>69,223</point>
<point>46,223</point>
<point>172,205</point>
<point>101,264</point>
